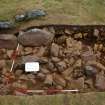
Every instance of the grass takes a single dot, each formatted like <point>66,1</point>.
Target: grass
<point>71,99</point>
<point>59,11</point>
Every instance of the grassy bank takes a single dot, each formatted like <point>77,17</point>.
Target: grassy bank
<point>71,99</point>
<point>59,11</point>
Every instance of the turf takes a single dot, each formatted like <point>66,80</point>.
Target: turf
<point>71,99</point>
<point>59,11</point>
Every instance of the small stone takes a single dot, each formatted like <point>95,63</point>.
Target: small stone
<point>9,53</point>
<point>77,72</point>
<point>78,35</point>
<point>61,66</point>
<point>100,47</point>
<point>71,61</point>
<point>96,47</point>
<point>51,66</point>
<point>21,50</point>
<point>87,54</point>
<point>54,49</point>
<point>18,72</point>
<point>41,75</point>
<point>79,45</point>
<point>55,59</point>
<point>78,63</point>
<point>2,63</point>
<point>23,77</point>
<point>100,82</point>
<point>35,38</point>
<point>90,71</point>
<point>68,31</point>
<point>6,25</point>
<point>52,30</point>
<point>34,14</point>
<point>28,50</point>
<point>69,42</point>
<point>20,17</point>
<point>49,80</point>
<point>31,76</point>
<point>96,32</point>
<point>77,83</point>
<point>59,87</point>
<point>31,58</point>
<point>41,51</point>
<point>66,74</point>
<point>8,41</point>
<point>59,80</point>
<point>2,51</point>
<point>89,83</point>
<point>61,40</point>
<point>45,71</point>
<point>18,84</point>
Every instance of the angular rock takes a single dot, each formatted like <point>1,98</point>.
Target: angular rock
<point>29,15</point>
<point>35,38</point>
<point>61,66</point>
<point>90,71</point>
<point>28,50</point>
<point>51,66</point>
<point>8,41</point>
<point>66,74</point>
<point>61,40</point>
<point>20,17</point>
<point>100,82</point>
<point>31,58</point>
<point>2,63</point>
<point>58,79</point>
<point>77,83</point>
<point>31,76</point>
<point>49,80</point>
<point>78,63</point>
<point>89,83</point>
<point>23,77</point>
<point>34,14</point>
<point>87,54</point>
<point>18,72</point>
<point>96,32</point>
<point>9,53</point>
<point>54,49</point>
<point>44,71</point>
<point>78,36</point>
<point>39,51</point>
<point>6,25</point>
<point>41,75</point>
<point>69,42</point>
<point>55,59</point>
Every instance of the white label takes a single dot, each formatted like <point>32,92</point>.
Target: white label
<point>32,66</point>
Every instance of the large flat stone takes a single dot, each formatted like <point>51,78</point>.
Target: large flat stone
<point>36,37</point>
<point>8,41</point>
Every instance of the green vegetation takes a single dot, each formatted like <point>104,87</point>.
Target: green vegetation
<point>59,11</point>
<point>71,99</point>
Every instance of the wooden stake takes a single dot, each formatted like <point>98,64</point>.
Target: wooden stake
<point>13,61</point>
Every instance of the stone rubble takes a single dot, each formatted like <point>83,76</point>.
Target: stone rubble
<point>65,62</point>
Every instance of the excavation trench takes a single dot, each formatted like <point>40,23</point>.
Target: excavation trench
<point>74,59</point>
